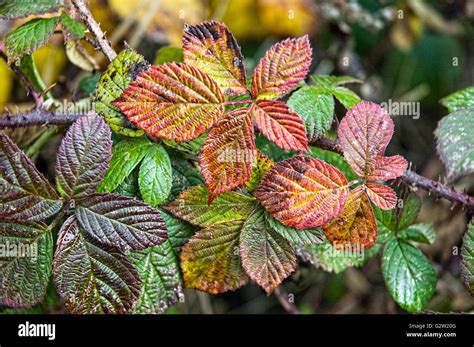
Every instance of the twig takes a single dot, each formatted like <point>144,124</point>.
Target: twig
<point>31,90</point>
<point>283,298</point>
<point>413,179</point>
<point>94,28</point>
<point>37,117</point>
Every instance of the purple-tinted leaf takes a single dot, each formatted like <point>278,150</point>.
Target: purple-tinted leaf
<point>92,278</point>
<point>25,194</point>
<point>121,222</point>
<point>83,157</point>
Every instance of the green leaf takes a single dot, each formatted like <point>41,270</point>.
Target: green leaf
<point>121,222</point>
<point>28,68</point>
<point>155,177</point>
<point>92,278</point>
<point>211,261</point>
<point>26,253</point>
<point>25,194</point>
<point>423,233</point>
<point>168,54</point>
<point>267,257</point>
<point>296,237</point>
<point>71,27</point>
<point>83,157</point>
<point>185,175</point>
<point>346,97</point>
<point>408,275</point>
<point>160,277</point>
<point>179,231</point>
<point>467,257</point>
<point>316,107</point>
<point>336,160</point>
<point>463,98</point>
<point>129,186</point>
<point>192,206</point>
<point>332,85</point>
<point>10,9</point>
<point>192,147</point>
<point>120,72</point>
<point>29,37</point>
<point>126,155</point>
<point>455,146</point>
<point>271,150</point>
<point>260,166</point>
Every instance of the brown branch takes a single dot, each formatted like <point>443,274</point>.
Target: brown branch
<point>37,117</point>
<point>283,298</point>
<point>413,179</point>
<point>94,28</point>
<point>37,96</point>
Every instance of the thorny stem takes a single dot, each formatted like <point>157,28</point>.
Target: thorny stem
<point>94,28</point>
<point>413,179</point>
<point>283,298</point>
<point>37,117</point>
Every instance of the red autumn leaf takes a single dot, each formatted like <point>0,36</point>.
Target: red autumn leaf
<point>174,101</point>
<point>382,196</point>
<point>387,168</point>
<point>303,192</point>
<point>364,133</point>
<point>228,153</point>
<point>356,223</point>
<point>280,125</point>
<point>212,48</point>
<point>284,65</point>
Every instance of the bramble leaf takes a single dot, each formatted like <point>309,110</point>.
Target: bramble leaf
<point>10,9</point>
<point>280,125</point>
<point>83,157</point>
<point>155,177</point>
<point>174,101</point>
<point>28,37</point>
<point>382,196</point>
<point>332,85</point>
<point>211,261</point>
<point>364,133</point>
<point>346,97</point>
<point>179,231</point>
<point>387,168</point>
<point>455,146</point>
<point>160,277</point>
<point>126,155</point>
<point>423,233</point>
<point>211,47</point>
<point>228,153</point>
<point>355,225</point>
<point>267,257</point>
<point>260,166</point>
<point>303,192</point>
<point>192,206</point>
<point>103,280</point>
<point>316,108</point>
<point>72,28</point>
<point>120,72</point>
<point>185,175</point>
<point>25,194</point>
<point>24,274</point>
<point>283,66</point>
<point>336,160</point>
<point>467,256</point>
<point>408,274</point>
<point>391,221</point>
<point>121,222</point>
<point>463,98</point>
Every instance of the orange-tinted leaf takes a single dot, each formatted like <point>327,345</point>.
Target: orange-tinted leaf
<point>212,48</point>
<point>228,153</point>
<point>284,65</point>
<point>174,101</point>
<point>382,196</point>
<point>210,260</point>
<point>280,125</point>
<point>364,133</point>
<point>388,168</point>
<point>303,192</point>
<point>356,223</point>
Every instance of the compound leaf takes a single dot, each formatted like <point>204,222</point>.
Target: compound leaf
<point>25,194</point>
<point>121,222</point>
<point>283,66</point>
<point>228,153</point>
<point>174,101</point>
<point>211,47</point>
<point>280,125</point>
<point>83,157</point>
<point>92,278</point>
<point>267,257</point>
<point>303,192</point>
